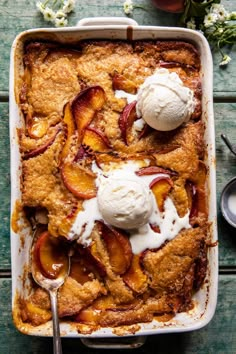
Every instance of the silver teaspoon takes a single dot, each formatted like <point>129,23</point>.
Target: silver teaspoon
<point>49,280</point>
<point>231,147</point>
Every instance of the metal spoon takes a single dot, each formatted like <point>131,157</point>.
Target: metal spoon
<point>52,286</point>
<point>231,147</point>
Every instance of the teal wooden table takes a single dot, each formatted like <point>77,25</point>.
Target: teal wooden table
<point>219,336</point>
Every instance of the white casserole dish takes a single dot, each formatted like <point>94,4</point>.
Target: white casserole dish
<point>205,299</point>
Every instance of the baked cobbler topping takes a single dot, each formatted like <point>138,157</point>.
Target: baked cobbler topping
<point>128,200</point>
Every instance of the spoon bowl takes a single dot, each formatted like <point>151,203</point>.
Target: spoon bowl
<point>51,286</point>
<point>228,202</point>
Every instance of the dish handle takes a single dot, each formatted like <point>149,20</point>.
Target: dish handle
<point>107,21</point>
<point>114,343</point>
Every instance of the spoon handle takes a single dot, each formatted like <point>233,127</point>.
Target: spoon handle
<point>57,348</point>
<point>227,143</point>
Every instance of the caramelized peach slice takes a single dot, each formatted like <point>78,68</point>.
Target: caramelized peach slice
<point>106,159</point>
<point>70,130</point>
<point>107,303</point>
<point>36,127</point>
<point>151,170</point>
<point>68,120</point>
<point>42,148</point>
<point>49,255</point>
<point>78,180</point>
<point>135,277</point>
<point>192,198</point>
<point>196,192</point>
<point>79,271</point>
<point>197,201</point>
<point>118,247</point>
<point>155,228</point>
<point>93,259</point>
<point>126,120</point>
<point>160,187</point>
<point>88,316</point>
<point>66,222</point>
<point>120,82</point>
<point>85,105</point>
<point>145,131</point>
<point>95,140</point>
<point>200,178</point>
<point>167,149</point>
<point>82,154</point>
<point>42,314</point>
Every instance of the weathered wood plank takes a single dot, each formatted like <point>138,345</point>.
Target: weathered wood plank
<point>217,337</point>
<point>17,16</point>
<point>4,188</point>
<point>226,169</point>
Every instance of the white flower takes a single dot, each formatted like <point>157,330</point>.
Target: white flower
<point>201,32</point>
<point>60,14</point>
<point>232,15</point>
<point>191,24</point>
<point>49,14</point>
<point>128,7</point>
<point>220,12</point>
<point>220,30</point>
<point>209,20</point>
<point>60,22</point>
<point>68,6</point>
<point>40,6</point>
<point>225,60</point>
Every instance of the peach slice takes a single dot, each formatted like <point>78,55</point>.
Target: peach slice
<point>85,105</point>
<point>68,120</point>
<point>82,154</point>
<point>107,158</point>
<point>196,192</point>
<point>167,149</point>
<point>118,247</point>
<point>40,314</point>
<point>78,180</point>
<point>42,148</point>
<point>126,120</point>
<point>152,170</point>
<point>95,140</point>
<point>70,130</point>
<point>120,82</point>
<point>50,256</point>
<point>200,178</point>
<point>36,127</point>
<point>135,277</point>
<point>79,270</point>
<point>160,187</point>
<point>66,222</point>
<point>192,198</point>
<point>155,228</point>
<point>145,131</point>
<point>88,316</point>
<point>93,259</point>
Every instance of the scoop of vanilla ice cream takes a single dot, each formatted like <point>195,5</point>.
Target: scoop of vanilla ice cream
<point>164,102</point>
<point>126,204</point>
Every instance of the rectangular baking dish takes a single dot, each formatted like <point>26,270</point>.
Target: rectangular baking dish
<point>112,28</point>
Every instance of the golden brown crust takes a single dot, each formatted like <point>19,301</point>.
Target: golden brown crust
<point>54,76</point>
<point>174,261</point>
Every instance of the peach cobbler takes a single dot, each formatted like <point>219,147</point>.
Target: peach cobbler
<point>113,172</point>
